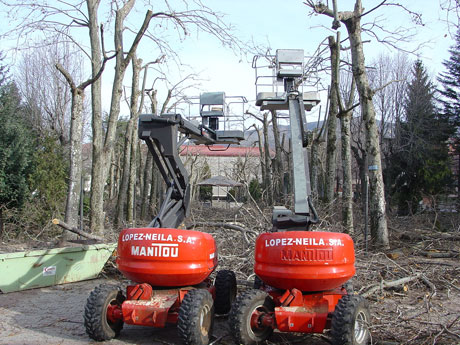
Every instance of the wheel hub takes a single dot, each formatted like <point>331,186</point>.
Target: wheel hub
<point>205,320</point>
<point>360,327</point>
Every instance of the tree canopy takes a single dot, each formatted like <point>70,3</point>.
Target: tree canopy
<point>15,148</point>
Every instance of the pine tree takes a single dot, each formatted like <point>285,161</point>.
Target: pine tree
<point>450,91</point>
<point>15,150</point>
<point>419,164</point>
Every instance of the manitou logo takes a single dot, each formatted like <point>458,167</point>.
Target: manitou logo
<point>307,255</point>
<point>160,250</point>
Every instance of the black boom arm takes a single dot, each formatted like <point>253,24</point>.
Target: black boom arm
<point>161,134</point>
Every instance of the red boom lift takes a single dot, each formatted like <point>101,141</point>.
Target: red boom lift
<point>170,267</point>
<point>300,275</point>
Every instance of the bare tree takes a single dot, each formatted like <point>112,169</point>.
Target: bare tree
<point>352,21</point>
<point>200,18</point>
<point>76,126</point>
<point>61,17</point>
<point>264,148</point>
<point>44,89</point>
<point>452,11</point>
<point>388,77</point>
<point>345,114</point>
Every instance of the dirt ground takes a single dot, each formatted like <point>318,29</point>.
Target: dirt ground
<point>413,289</point>
<point>54,315</point>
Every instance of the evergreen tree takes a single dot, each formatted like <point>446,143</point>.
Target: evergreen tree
<point>450,91</point>
<point>419,163</point>
<point>48,178</point>
<point>15,150</point>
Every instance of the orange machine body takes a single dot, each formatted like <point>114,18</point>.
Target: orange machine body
<point>166,257</point>
<point>304,260</point>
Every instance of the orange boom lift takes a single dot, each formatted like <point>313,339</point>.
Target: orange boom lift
<point>301,275</point>
<point>169,267</point>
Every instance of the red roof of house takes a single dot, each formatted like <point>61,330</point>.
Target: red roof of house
<point>220,151</point>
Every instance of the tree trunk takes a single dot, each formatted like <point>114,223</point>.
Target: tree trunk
<point>360,158</point>
<point>268,179</point>
<point>317,141</point>
<point>277,164</point>
<point>331,146</point>
<point>314,166</point>
<point>133,147</point>
<point>378,221</point>
<point>74,186</point>
<point>97,214</point>
<point>124,180</point>
<point>125,199</point>
<point>347,193</point>
<point>263,166</point>
<point>153,189</point>
<point>140,166</point>
<point>146,185</point>
<point>156,191</point>
<point>130,204</point>
<point>112,180</point>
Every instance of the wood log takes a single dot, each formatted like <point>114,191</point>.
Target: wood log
<point>384,284</point>
<point>67,227</point>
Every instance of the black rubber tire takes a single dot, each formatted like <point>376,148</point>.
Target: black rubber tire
<point>95,317</point>
<point>350,321</point>
<point>240,317</point>
<point>225,284</point>
<point>196,317</point>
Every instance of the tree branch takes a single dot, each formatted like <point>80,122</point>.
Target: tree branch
<point>384,284</point>
<point>67,227</point>
<point>66,75</point>
<point>373,92</point>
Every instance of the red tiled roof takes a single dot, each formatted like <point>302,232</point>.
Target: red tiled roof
<point>220,151</point>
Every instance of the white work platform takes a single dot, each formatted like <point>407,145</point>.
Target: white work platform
<point>280,101</point>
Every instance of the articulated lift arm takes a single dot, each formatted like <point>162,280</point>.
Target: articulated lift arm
<point>161,134</point>
<point>289,71</point>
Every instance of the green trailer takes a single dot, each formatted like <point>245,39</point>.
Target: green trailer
<point>39,268</point>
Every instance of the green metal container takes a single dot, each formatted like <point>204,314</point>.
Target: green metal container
<point>38,268</point>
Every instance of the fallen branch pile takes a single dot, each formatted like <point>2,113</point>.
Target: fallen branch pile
<point>413,290</point>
